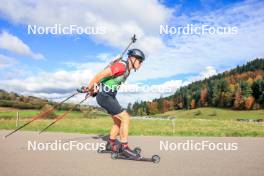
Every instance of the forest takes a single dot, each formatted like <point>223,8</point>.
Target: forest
<point>241,88</point>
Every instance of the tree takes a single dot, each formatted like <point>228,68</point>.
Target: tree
<point>153,108</point>
<point>245,88</point>
<point>258,91</point>
<point>129,108</point>
<point>249,102</point>
<point>219,89</point>
<point>239,101</point>
<point>160,105</point>
<point>193,104</point>
<point>47,107</point>
<point>203,96</point>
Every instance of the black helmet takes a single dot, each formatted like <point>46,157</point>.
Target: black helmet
<point>137,54</point>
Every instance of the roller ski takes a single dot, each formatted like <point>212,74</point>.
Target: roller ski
<point>126,153</point>
<point>115,146</point>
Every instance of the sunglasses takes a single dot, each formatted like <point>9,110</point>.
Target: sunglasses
<point>139,59</point>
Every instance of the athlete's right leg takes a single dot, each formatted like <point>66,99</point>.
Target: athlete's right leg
<point>115,128</point>
<point>124,118</point>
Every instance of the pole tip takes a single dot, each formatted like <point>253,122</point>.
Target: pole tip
<point>134,38</point>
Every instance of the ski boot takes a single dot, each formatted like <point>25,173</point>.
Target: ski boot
<point>111,146</point>
<point>114,146</point>
<point>126,153</point>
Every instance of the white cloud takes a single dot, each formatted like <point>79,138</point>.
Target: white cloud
<point>60,82</point>
<point>121,19</point>
<point>14,44</point>
<point>106,57</point>
<point>6,61</point>
<point>192,53</point>
<point>206,73</point>
<point>180,54</point>
<point>209,71</point>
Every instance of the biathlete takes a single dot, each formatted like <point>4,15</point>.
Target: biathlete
<point>109,81</point>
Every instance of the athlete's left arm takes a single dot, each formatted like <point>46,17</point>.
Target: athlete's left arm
<point>103,74</point>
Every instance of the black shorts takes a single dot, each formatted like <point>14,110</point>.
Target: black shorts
<point>108,101</point>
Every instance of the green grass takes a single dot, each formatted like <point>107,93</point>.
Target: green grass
<point>214,113</point>
<point>23,114</point>
<point>208,122</point>
<point>26,114</point>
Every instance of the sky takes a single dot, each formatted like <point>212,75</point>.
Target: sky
<point>53,65</point>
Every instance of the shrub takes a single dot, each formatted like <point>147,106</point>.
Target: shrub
<point>197,113</point>
<point>213,113</point>
<point>47,107</point>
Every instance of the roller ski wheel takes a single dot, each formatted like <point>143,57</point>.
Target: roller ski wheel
<point>114,155</point>
<point>155,159</point>
<point>137,150</point>
<point>136,157</point>
<point>100,150</point>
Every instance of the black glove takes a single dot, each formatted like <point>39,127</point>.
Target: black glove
<point>89,94</point>
<point>83,89</point>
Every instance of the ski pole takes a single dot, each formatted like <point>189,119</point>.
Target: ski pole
<point>40,115</point>
<point>133,40</point>
<point>62,116</point>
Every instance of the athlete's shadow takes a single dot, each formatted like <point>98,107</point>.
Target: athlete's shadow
<point>105,138</point>
<point>102,137</point>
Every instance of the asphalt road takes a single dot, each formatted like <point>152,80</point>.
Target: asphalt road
<point>16,159</point>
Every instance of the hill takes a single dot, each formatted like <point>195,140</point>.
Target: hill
<point>14,100</point>
<point>241,88</point>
